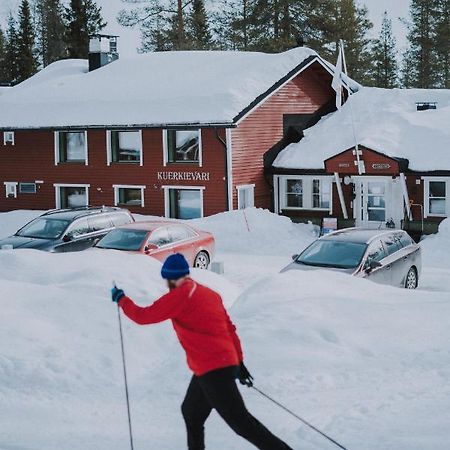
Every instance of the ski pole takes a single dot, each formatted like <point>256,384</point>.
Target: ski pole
<point>125,378</point>
<point>298,418</point>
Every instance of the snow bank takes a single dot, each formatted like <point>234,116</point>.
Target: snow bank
<point>257,231</point>
<point>436,247</point>
<point>385,120</point>
<point>11,221</point>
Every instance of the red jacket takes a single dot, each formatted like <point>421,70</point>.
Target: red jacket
<point>201,322</point>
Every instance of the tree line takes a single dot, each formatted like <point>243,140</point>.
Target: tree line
<point>46,31</point>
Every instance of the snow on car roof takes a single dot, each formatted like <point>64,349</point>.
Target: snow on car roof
<point>385,120</point>
<point>160,88</point>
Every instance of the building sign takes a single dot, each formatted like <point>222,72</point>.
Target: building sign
<point>183,176</point>
<point>381,166</point>
<point>342,165</point>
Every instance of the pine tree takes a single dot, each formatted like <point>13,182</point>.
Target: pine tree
<point>51,31</point>
<point>11,52</point>
<point>198,27</point>
<point>83,19</point>
<point>442,42</point>
<point>26,38</point>
<point>384,72</point>
<point>3,77</point>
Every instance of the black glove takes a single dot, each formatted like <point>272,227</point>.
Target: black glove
<point>245,377</point>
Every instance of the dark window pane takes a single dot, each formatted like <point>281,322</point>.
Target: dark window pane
<point>72,146</point>
<point>437,188</point>
<point>126,146</point>
<point>130,196</point>
<point>73,197</point>
<point>376,252</point>
<point>44,228</point>
<point>27,188</point>
<point>185,204</point>
<point>100,222</point>
<point>391,244</point>
<point>123,239</point>
<point>183,145</point>
<point>294,190</point>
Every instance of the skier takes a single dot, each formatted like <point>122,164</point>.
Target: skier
<point>213,351</point>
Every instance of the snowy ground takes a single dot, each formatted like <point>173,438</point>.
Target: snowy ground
<point>368,364</point>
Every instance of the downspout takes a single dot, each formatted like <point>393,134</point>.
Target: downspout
<point>227,193</point>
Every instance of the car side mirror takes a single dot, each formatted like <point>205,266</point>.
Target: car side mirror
<point>294,257</point>
<point>150,247</point>
<point>67,238</point>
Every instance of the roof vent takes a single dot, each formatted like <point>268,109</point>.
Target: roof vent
<point>424,106</point>
<point>102,50</point>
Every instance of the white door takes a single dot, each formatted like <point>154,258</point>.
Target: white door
<point>378,202</point>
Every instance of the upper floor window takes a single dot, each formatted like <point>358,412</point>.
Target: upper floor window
<point>182,146</point>
<point>8,138</point>
<point>125,147</point>
<point>437,197</point>
<point>71,146</point>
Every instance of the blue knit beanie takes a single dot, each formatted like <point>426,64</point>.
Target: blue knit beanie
<point>175,267</point>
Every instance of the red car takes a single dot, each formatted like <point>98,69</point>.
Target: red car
<point>161,239</point>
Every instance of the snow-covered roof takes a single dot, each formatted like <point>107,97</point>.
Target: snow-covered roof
<point>162,88</point>
<point>385,120</point>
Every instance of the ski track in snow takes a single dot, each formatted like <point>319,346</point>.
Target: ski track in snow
<point>368,364</point>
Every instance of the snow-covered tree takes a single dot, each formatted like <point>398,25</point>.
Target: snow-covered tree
<point>442,42</point>
<point>198,27</point>
<point>11,69</point>
<point>3,77</point>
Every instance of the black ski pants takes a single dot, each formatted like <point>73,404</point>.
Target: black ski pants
<point>217,390</point>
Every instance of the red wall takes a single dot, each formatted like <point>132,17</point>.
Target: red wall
<point>263,128</point>
<point>32,158</point>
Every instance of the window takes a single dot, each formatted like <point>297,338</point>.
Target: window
<point>182,146</point>
<point>71,146</point>
<point>376,252</point>
<point>10,189</point>
<point>125,147</point>
<point>160,237</point>
<point>121,218</point>
<point>179,233</point>
<point>71,196</point>
<point>79,228</point>
<point>123,239</point>
<point>437,198</point>
<point>8,138</point>
<point>44,228</point>
<point>184,203</point>
<point>246,196</point>
<point>27,188</point>
<point>392,244</point>
<point>129,195</point>
<point>308,192</point>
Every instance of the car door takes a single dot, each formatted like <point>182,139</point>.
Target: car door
<point>99,226</point>
<point>376,252</point>
<point>75,237</point>
<point>394,258</point>
<point>183,242</point>
<point>161,239</point>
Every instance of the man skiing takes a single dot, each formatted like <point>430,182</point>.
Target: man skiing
<point>213,352</point>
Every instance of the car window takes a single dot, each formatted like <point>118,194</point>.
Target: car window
<point>160,237</point>
<point>375,252</point>
<point>391,244</point>
<point>44,228</point>
<point>123,239</point>
<point>404,239</point>
<point>78,228</point>
<point>121,218</point>
<point>180,233</point>
<point>100,222</point>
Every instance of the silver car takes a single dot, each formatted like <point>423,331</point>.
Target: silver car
<point>384,256</point>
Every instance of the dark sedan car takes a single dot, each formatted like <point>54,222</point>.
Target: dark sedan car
<point>386,257</point>
<point>68,230</point>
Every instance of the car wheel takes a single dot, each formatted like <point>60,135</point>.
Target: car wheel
<point>202,261</point>
<point>412,280</point>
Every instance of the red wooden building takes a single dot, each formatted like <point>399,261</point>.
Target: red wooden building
<point>176,134</point>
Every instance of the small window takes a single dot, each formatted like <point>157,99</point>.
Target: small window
<point>72,197</point>
<point>10,189</point>
<point>246,196</point>
<point>79,228</point>
<point>72,146</point>
<point>321,194</point>
<point>130,196</point>
<point>185,203</point>
<point>8,138</point>
<point>99,222</point>
<point>27,188</point>
<point>183,146</point>
<point>294,194</point>
<point>120,219</point>
<point>160,237</point>
<point>126,147</point>
<point>437,197</point>
<point>180,233</point>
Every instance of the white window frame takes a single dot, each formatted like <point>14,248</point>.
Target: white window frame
<point>426,196</point>
<point>189,188</point>
<point>166,161</point>
<point>13,138</point>
<point>116,188</point>
<point>29,182</point>
<point>307,181</point>
<point>58,192</point>
<point>13,185</point>
<point>86,145</point>
<point>109,160</point>
<point>245,187</point>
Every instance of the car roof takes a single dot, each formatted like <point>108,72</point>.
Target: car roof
<point>76,213</point>
<point>357,235</point>
<point>151,225</point>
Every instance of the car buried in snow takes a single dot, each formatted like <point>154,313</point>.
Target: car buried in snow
<point>383,256</point>
<point>160,239</point>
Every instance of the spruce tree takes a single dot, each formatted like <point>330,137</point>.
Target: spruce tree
<point>3,77</point>
<point>442,43</point>
<point>26,38</point>
<point>384,71</point>
<point>83,19</point>
<point>50,31</point>
<point>11,52</point>
<point>198,27</point>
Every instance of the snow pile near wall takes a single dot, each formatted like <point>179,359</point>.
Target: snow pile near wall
<point>257,231</point>
<point>11,221</point>
<point>436,247</point>
<point>385,120</point>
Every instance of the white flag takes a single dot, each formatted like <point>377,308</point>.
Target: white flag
<point>336,84</point>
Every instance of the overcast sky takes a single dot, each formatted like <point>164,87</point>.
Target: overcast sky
<point>130,38</point>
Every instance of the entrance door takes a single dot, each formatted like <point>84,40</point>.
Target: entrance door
<point>372,202</point>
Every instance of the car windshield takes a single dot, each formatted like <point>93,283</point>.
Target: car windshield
<point>44,228</point>
<point>123,239</point>
<point>329,253</point>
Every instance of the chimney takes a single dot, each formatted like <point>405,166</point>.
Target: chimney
<point>102,50</point>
